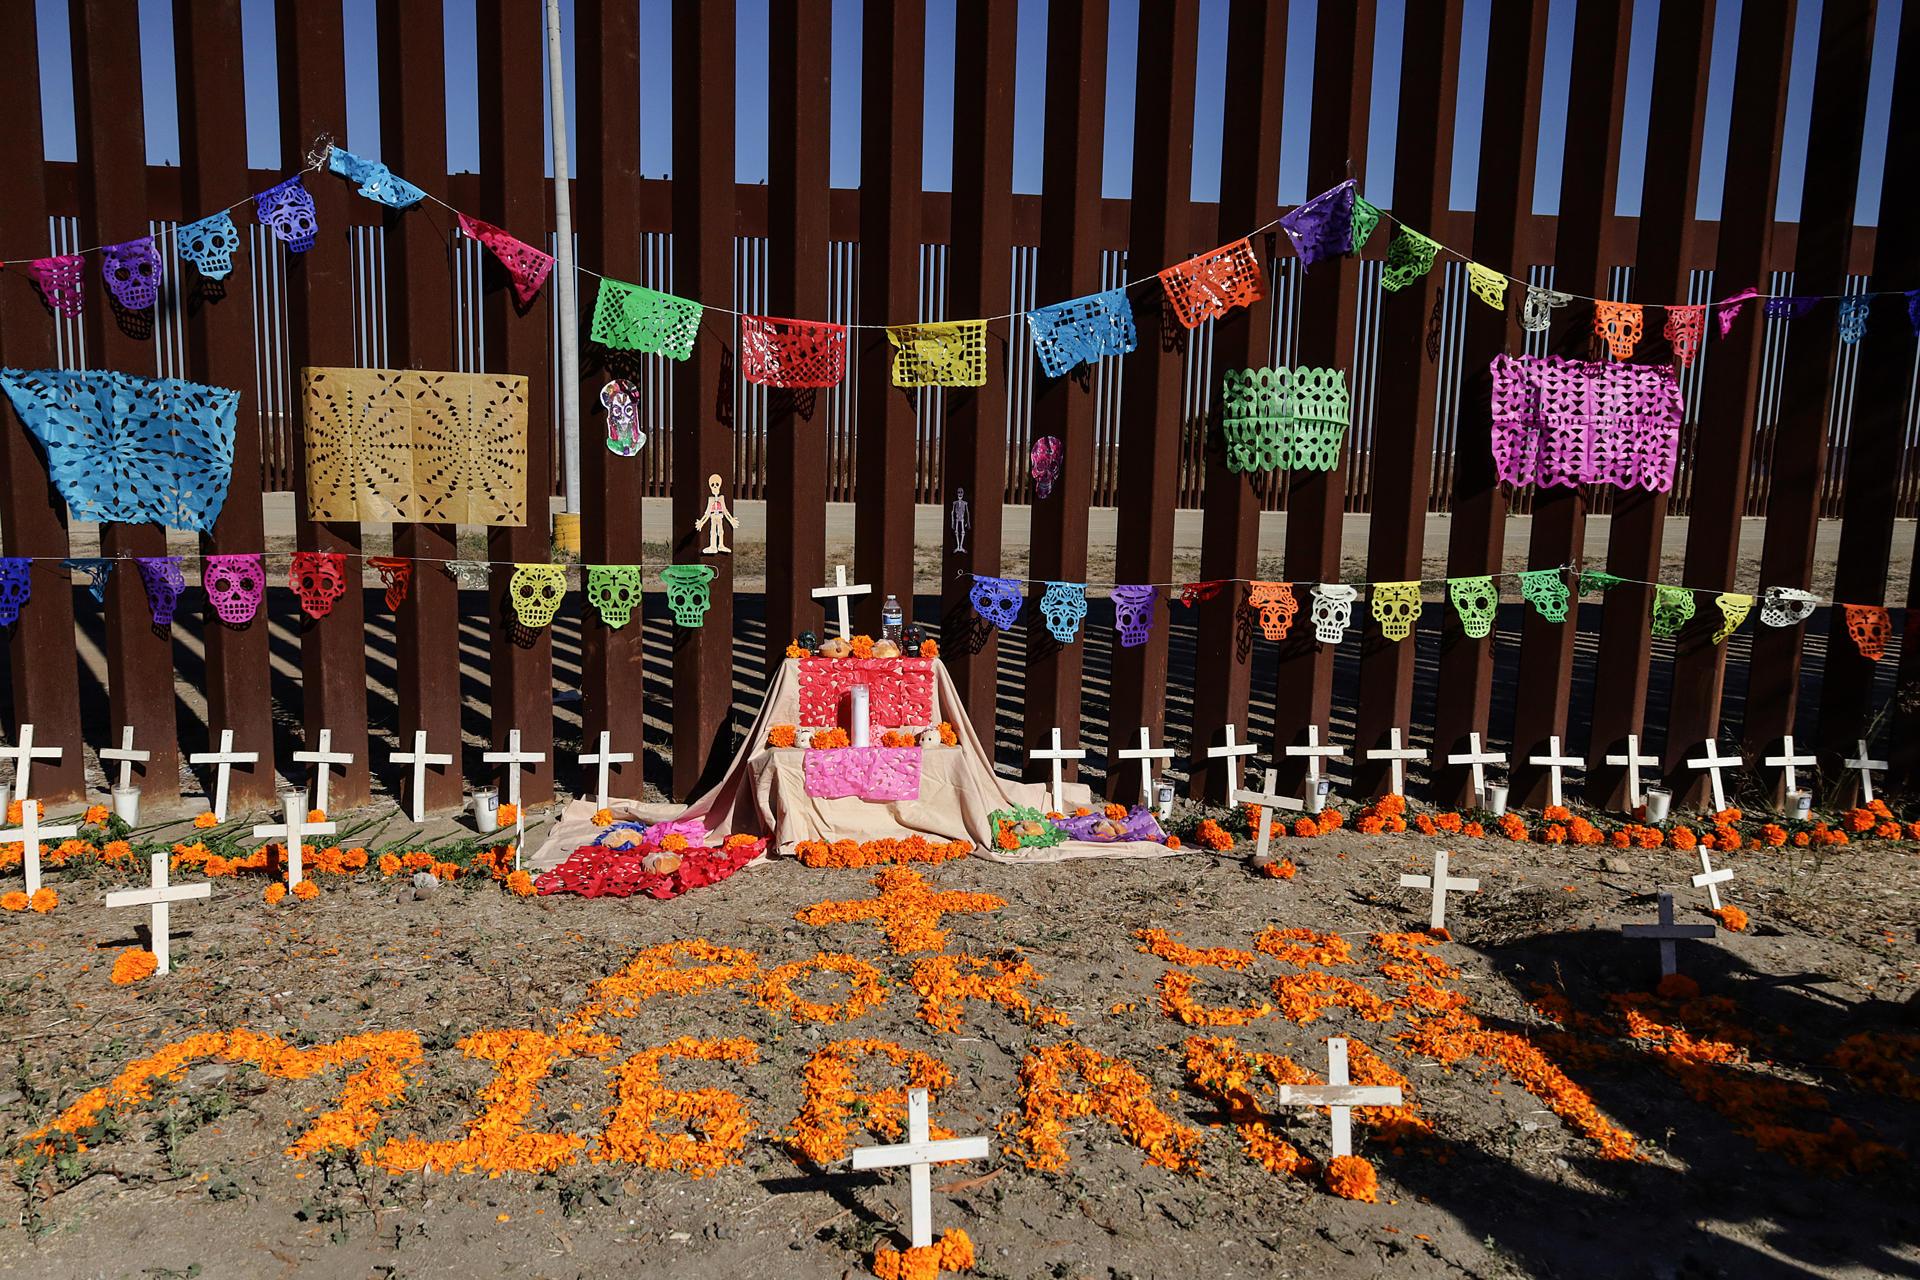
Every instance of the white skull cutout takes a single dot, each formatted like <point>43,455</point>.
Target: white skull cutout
<point>1332,610</point>
<point>536,591</point>
<point>1787,606</point>
<point>1396,607</point>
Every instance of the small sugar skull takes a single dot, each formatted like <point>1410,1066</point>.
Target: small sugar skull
<point>1476,601</point>
<point>1133,614</point>
<point>536,591</point>
<point>1277,606</point>
<point>929,738</point>
<point>621,400</point>
<point>998,600</point>
<point>16,584</point>
<point>133,273</point>
<point>319,578</point>
<point>288,209</point>
<point>235,584</point>
<point>164,582</point>
<point>1787,606</point>
<point>1396,607</point>
<point>209,244</point>
<point>1332,610</point>
<point>687,592</point>
<point>614,589</point>
<point>1064,606</point>
<point>1043,459</point>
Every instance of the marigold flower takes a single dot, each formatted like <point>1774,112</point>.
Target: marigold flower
<point>509,814</point>
<point>929,648</point>
<point>862,646</point>
<point>306,890</point>
<point>1214,836</point>
<point>520,883</point>
<point>95,816</point>
<point>949,736</point>
<point>133,965</point>
<point>275,894</point>
<point>205,820</point>
<point>1731,918</point>
<point>114,850</point>
<point>782,735</point>
<point>44,899</point>
<point>13,900</point>
<point>794,650</point>
<point>1281,870</point>
<point>1353,1178</point>
<point>830,739</point>
<point>1473,829</point>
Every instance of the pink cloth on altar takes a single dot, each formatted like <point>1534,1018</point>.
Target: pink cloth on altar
<point>764,793</point>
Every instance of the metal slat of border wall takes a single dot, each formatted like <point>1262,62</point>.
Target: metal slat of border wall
<point>1773,332</point>
<point>33,520</point>
<point>1820,264</point>
<point>1841,413</point>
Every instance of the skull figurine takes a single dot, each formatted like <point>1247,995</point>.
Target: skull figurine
<point>319,578</point>
<point>1396,607</point>
<point>1787,606</point>
<point>998,600</point>
<point>808,640</point>
<point>1133,614</point>
<point>1277,606</point>
<point>288,209</point>
<point>1332,610</point>
<point>16,585</point>
<point>1064,606</point>
<point>235,584</point>
<point>536,591</point>
<point>687,592</point>
<point>621,400</point>
<point>133,273</point>
<point>209,244</point>
<point>614,589</point>
<point>1476,601</point>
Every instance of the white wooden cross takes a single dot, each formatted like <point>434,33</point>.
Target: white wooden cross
<point>1231,753</point>
<point>1865,765</point>
<point>513,757</point>
<point>1478,761</point>
<point>1633,760</point>
<point>158,897</point>
<point>419,758</point>
<point>1315,753</point>
<point>23,755</point>
<point>1057,753</point>
<point>1667,932</point>
<point>225,758</point>
<point>605,756</point>
<point>126,755</point>
<point>1396,757</point>
<point>919,1153</point>
<point>1555,762</point>
<point>1263,801</point>
<point>839,592</point>
<point>325,757</point>
<point>1787,761</point>
<point>294,831</point>
<point>1146,755</point>
<point>1441,884</point>
<point>30,833</point>
<point>1711,880</point>
<point>1339,1096</point>
<point>1713,762</point>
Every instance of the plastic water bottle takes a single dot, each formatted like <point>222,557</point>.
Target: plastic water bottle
<point>893,620</point>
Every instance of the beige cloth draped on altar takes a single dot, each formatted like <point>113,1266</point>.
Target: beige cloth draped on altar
<point>763,793</point>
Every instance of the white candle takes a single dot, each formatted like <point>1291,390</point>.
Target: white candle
<point>126,804</point>
<point>861,728</point>
<point>1659,804</point>
<point>486,810</point>
<point>1497,798</point>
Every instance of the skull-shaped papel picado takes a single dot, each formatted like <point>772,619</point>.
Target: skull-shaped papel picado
<point>287,207</point>
<point>1787,606</point>
<point>132,271</point>
<point>1133,614</point>
<point>164,583</point>
<point>1332,610</point>
<point>235,584</point>
<point>614,589</point>
<point>1276,606</point>
<point>1396,607</point>
<point>687,592</point>
<point>998,600</point>
<point>1064,605</point>
<point>16,585</point>
<point>536,591</point>
<point>209,244</point>
<point>1476,601</point>
<point>319,578</point>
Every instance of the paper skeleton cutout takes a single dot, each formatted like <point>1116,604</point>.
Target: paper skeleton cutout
<point>1332,610</point>
<point>961,520</point>
<point>715,520</point>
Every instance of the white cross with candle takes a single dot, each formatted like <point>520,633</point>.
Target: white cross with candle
<point>1396,757</point>
<point>1262,802</point>
<point>30,834</point>
<point>1056,754</point>
<point>126,755</point>
<point>23,755</point>
<point>1555,761</point>
<point>605,756</point>
<point>158,897</point>
<point>1636,797</point>
<point>513,757</point>
<point>1441,884</point>
<point>325,757</point>
<point>419,758</point>
<point>294,831</point>
<point>1709,879</point>
<point>225,758</point>
<point>1864,765</point>
<point>1667,932</point>
<point>1146,755</point>
<point>1787,761</point>
<point>1339,1096</point>
<point>1231,753</point>
<point>919,1153</point>
<point>1314,754</point>
<point>1477,760</point>
<point>839,592</point>
<point>1713,762</point>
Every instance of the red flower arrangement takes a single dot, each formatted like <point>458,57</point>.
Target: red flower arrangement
<point>662,864</point>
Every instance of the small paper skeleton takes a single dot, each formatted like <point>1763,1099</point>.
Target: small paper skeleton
<point>961,520</point>
<point>716,520</point>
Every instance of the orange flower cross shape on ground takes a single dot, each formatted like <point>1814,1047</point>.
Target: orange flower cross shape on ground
<point>907,910</point>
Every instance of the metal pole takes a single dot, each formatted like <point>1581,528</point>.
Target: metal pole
<point>568,297</point>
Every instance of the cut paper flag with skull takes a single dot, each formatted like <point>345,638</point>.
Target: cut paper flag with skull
<point>1853,317</point>
<point>1537,308</point>
<point>1275,605</point>
<point>1685,327</point>
<point>287,208</point>
<point>130,450</point>
<point>319,578</point>
<point>1487,285</point>
<point>1365,218</point>
<point>1871,626</point>
<point>1332,610</point>
<point>998,600</point>
<point>16,587</point>
<point>235,584</point>
<point>949,354</point>
<point>377,182</point>
<point>1214,283</point>
<point>1396,607</point>
<point>1787,606</point>
<point>396,575</point>
<point>632,317</point>
<point>1477,601</point>
<point>1546,590</point>
<point>1133,610</point>
<point>1064,606</point>
<point>99,571</point>
<point>132,273</point>
<point>209,245</point>
<point>687,592</point>
<point>61,282</point>
<point>1672,610</point>
<point>1734,607</point>
<point>536,592</point>
<point>1409,256</point>
<point>165,584</point>
<point>527,266</point>
<point>615,590</point>
<point>1620,325</point>
<point>778,352</point>
<point>1069,334</point>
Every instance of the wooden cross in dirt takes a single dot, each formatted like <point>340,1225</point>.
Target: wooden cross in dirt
<point>1056,754</point>
<point>30,833</point>
<point>1787,762</point>
<point>1441,884</point>
<point>1339,1096</point>
<point>324,757</point>
<point>919,1153</point>
<point>1263,801</point>
<point>1554,762</point>
<point>1709,879</point>
<point>225,758</point>
<point>1477,760</point>
<point>1633,760</point>
<point>1667,932</point>
<point>513,757</point>
<point>126,755</point>
<point>1146,755</point>
<point>294,831</point>
<point>1865,765</point>
<point>23,754</point>
<point>158,897</point>
<point>1396,757</point>
<point>1713,762</point>
<point>419,759</point>
<point>839,592</point>
<point>605,756</point>
<point>1314,754</point>
<point>1231,753</point>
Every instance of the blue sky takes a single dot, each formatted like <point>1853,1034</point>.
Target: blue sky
<point>657,95</point>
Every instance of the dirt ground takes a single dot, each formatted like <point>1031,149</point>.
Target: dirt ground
<point>195,1183</point>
